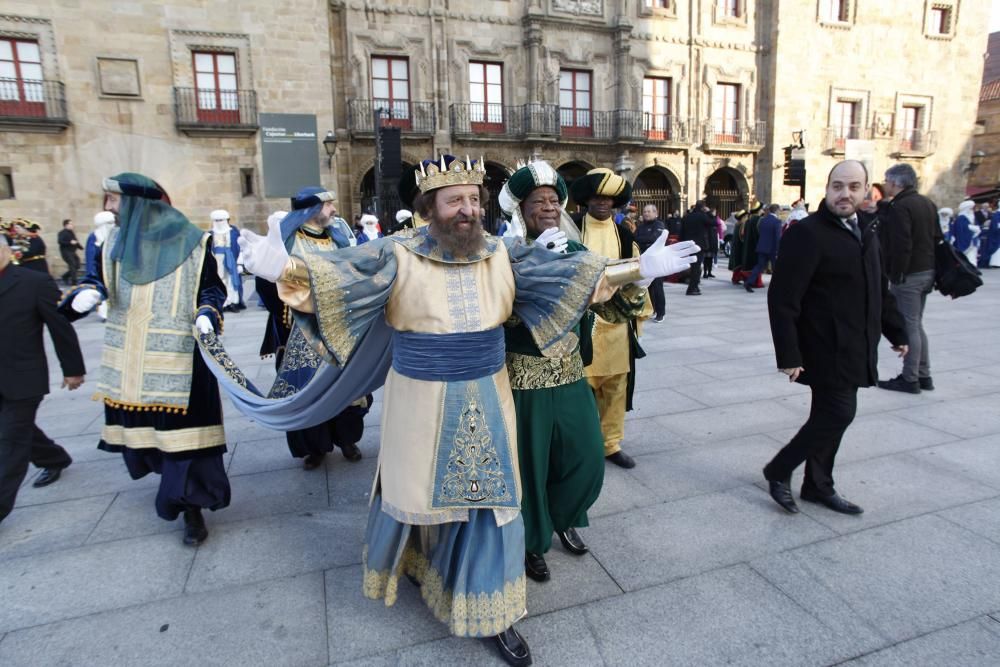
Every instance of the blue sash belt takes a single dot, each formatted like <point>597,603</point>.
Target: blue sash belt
<point>448,357</point>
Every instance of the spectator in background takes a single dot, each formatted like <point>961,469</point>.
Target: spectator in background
<point>646,233</point>
<point>69,246</point>
<point>769,231</point>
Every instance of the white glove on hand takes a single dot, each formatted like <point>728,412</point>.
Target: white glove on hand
<point>264,256</point>
<point>665,260</point>
<point>85,301</point>
<point>553,239</point>
<point>204,324</point>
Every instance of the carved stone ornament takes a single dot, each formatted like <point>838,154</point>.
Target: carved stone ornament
<point>591,7</point>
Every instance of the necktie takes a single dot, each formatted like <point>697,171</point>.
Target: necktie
<point>852,222</point>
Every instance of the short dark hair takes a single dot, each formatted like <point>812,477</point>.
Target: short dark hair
<point>774,208</point>
<point>424,202</point>
<point>66,222</point>
<point>902,174</point>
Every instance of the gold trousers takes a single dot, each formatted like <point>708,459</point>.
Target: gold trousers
<point>610,390</point>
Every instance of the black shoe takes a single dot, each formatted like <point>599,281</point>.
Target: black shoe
<point>572,541</point>
<point>351,452</point>
<point>657,320</point>
<point>926,384</point>
<point>747,287</point>
<point>622,459</point>
<point>782,494</point>
<point>693,292</point>
<point>899,384</point>
<point>513,649</point>
<point>46,477</point>
<point>833,501</point>
<point>711,275</point>
<point>313,461</point>
<point>195,531</point>
<point>536,567</point>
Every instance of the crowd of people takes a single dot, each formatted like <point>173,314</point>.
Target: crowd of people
<point>507,363</point>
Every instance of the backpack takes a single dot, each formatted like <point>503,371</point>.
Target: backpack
<point>954,274</point>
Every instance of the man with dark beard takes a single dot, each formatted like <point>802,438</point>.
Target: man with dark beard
<point>445,508</point>
<point>308,230</point>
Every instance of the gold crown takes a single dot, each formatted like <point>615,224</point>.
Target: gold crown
<point>434,176</point>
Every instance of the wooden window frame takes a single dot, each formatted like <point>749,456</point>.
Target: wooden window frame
<point>222,113</point>
<point>21,87</point>
<point>582,118</point>
<point>491,112</point>
<point>657,123</point>
<point>400,109</point>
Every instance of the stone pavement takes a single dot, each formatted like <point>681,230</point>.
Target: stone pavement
<point>691,563</point>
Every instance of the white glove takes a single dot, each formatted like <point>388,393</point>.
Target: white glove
<point>85,301</point>
<point>204,324</point>
<point>264,256</point>
<point>553,239</point>
<point>661,259</point>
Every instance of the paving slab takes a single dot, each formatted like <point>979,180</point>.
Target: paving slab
<point>704,467</point>
<point>977,459</point>
<point>903,579</point>
<point>661,401</point>
<point>575,580</point>
<point>973,644</point>
<point>41,528</point>
<point>280,622</point>
<point>43,588</point>
<point>660,543</point>
<point>83,480</point>
<point>967,418</point>
<point>621,492</point>
<point>982,518</point>
<point>895,487</point>
<point>732,421</point>
<point>731,616</point>
<point>133,514</point>
<point>645,435</point>
<point>276,546</point>
<point>275,492</point>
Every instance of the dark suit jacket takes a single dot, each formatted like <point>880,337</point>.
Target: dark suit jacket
<point>908,234</point>
<point>27,301</point>
<point>694,227</point>
<point>829,301</point>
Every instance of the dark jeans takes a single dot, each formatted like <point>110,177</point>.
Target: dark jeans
<point>818,440</point>
<point>22,442</point>
<point>762,260</point>
<point>694,274</point>
<point>657,298</point>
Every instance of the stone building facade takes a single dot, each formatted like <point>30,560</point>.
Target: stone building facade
<point>687,98</point>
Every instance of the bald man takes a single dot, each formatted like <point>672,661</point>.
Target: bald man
<point>828,305</point>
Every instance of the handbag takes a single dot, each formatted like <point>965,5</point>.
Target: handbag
<point>954,274</point>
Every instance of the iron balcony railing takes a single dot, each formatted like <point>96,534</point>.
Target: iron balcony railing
<point>410,117</point>
<point>835,138</point>
<point>735,133</point>
<point>661,128</point>
<point>33,101</point>
<point>209,109</point>
<point>914,142</point>
<point>470,120</point>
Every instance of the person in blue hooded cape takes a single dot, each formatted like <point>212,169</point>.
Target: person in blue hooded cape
<point>423,310</point>
<point>312,229</point>
<point>157,274</point>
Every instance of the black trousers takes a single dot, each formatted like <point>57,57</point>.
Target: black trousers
<point>657,298</point>
<point>21,442</point>
<point>72,267</point>
<point>817,442</point>
<point>694,274</point>
<point>708,262</point>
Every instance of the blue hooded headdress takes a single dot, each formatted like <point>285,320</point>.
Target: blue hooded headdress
<point>306,204</point>
<point>154,238</point>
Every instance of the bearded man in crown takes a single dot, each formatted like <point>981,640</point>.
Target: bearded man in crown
<point>445,506</point>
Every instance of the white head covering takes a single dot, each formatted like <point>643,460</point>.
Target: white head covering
<point>402,215</point>
<point>103,223</point>
<point>370,224</point>
<point>966,208</point>
<point>220,214</point>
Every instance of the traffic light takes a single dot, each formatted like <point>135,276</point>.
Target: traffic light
<point>795,166</point>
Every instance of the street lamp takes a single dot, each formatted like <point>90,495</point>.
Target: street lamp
<point>975,160</point>
<point>330,145</point>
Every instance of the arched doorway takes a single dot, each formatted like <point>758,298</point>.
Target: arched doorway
<point>570,172</point>
<point>657,186</point>
<point>390,198</point>
<point>726,190</point>
<point>496,176</point>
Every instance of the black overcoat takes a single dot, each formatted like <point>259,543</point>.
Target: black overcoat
<point>829,301</point>
<point>28,300</point>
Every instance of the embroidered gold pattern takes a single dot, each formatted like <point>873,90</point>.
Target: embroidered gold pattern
<point>474,615</point>
<point>328,284</point>
<point>473,472</point>
<point>626,304</point>
<point>210,343</point>
<point>529,372</point>
<point>552,335</point>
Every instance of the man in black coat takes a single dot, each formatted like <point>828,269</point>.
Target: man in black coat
<point>646,234</point>
<point>694,227</point>
<point>908,232</point>
<point>68,249</point>
<point>27,301</point>
<point>828,303</point>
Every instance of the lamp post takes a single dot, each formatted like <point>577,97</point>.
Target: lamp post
<point>330,145</point>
